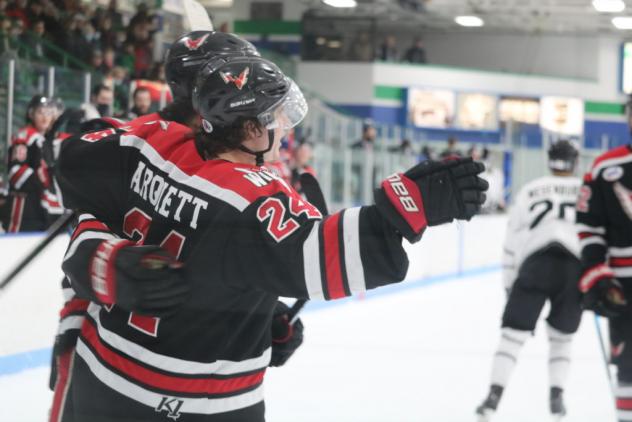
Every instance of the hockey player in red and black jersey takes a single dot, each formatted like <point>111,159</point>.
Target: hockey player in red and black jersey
<point>604,222</point>
<point>193,342</point>
<point>32,204</point>
<point>183,59</point>
<point>540,264</point>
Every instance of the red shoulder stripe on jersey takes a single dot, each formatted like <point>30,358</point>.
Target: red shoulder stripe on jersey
<point>618,152</point>
<point>249,182</point>
<point>174,384</point>
<point>17,175</point>
<point>87,225</point>
<point>333,267</point>
<point>624,404</point>
<point>74,305</point>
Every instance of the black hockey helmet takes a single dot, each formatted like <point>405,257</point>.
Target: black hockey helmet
<point>563,155</point>
<point>189,52</point>
<point>54,105</point>
<point>228,88</point>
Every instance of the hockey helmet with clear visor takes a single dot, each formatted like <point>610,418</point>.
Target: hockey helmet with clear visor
<point>230,88</point>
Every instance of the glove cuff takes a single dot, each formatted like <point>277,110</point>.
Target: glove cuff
<point>103,271</point>
<point>593,275</point>
<point>399,201</point>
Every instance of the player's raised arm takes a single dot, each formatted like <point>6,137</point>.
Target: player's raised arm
<point>283,245</point>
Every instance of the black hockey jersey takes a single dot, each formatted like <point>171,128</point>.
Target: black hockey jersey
<point>604,218</point>
<point>32,203</point>
<point>261,240</point>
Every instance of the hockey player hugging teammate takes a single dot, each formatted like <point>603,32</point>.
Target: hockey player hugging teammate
<point>193,344</point>
<point>541,263</point>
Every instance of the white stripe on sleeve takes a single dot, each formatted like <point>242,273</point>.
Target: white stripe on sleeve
<point>353,261</point>
<point>311,264</point>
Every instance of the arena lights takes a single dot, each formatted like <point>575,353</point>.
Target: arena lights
<point>609,6</point>
<point>622,22</point>
<point>341,3</point>
<point>469,21</point>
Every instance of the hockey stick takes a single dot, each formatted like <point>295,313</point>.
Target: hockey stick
<point>58,226</point>
<point>604,353</point>
<point>314,194</point>
<point>197,16</point>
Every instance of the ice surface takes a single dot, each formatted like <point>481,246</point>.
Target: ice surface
<point>420,354</point>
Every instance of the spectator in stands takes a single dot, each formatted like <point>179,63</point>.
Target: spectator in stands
<point>142,103</point>
<point>416,53</point>
<point>125,58</point>
<point>361,48</point>
<point>109,60</point>
<point>388,50</point>
<point>451,151</point>
<point>5,35</point>
<point>17,10</point>
<point>17,31</point>
<point>404,148</point>
<point>108,36</point>
<point>114,15</point>
<point>368,137</point>
<point>426,153</point>
<point>96,62</point>
<point>35,38</point>
<point>100,104</point>
<point>301,159</point>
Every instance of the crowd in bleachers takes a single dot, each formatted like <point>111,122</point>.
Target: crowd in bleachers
<point>104,40</point>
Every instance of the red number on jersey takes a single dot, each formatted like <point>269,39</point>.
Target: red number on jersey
<point>298,207</point>
<point>136,225</point>
<point>273,210</point>
<point>96,136</point>
<point>585,193</point>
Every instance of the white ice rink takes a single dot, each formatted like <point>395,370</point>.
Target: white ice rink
<point>420,351</point>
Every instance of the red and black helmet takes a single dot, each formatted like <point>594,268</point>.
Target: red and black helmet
<point>189,52</point>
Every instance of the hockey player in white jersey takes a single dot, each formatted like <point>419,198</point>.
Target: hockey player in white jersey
<point>540,263</point>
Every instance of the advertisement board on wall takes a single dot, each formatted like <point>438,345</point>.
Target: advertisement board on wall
<point>477,111</point>
<point>562,115</point>
<point>626,68</point>
<point>431,108</point>
<point>520,109</point>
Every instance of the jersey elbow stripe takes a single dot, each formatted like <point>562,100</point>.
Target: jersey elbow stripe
<point>593,275</point>
<point>331,257</point>
<point>593,240</point>
<point>584,228</point>
<point>88,225</point>
<point>87,235</point>
<point>20,175</point>
<point>353,259</point>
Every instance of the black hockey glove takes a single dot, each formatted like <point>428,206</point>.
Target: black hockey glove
<point>142,279</point>
<point>605,298</point>
<point>431,193</point>
<point>286,338</point>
